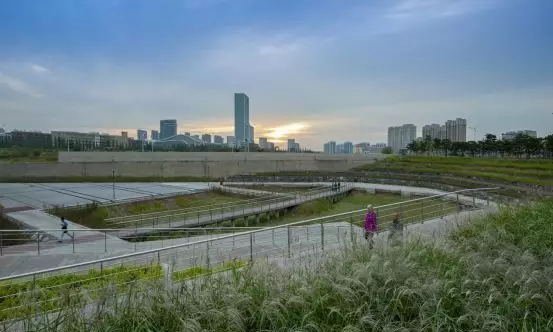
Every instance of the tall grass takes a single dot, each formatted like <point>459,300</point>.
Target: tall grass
<point>494,275</point>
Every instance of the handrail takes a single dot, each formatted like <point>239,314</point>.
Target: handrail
<point>158,250</point>
<point>136,218</point>
<point>184,211</point>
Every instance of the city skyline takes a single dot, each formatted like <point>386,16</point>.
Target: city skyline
<point>81,67</point>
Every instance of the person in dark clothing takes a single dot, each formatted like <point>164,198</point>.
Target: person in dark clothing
<point>64,225</point>
<point>396,231</point>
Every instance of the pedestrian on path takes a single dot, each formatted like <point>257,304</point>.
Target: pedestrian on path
<point>371,225</point>
<point>396,231</point>
<point>64,229</point>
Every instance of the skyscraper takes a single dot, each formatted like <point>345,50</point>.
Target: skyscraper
<point>330,147</point>
<point>400,137</point>
<point>243,131</point>
<point>167,128</point>
<point>456,130</point>
<point>154,135</point>
<point>141,135</point>
<point>217,139</point>
<point>348,148</point>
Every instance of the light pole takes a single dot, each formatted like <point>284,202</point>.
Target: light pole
<point>113,176</point>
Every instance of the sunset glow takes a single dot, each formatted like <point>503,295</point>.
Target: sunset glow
<point>279,133</point>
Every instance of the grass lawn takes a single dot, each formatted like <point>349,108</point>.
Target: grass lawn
<point>493,275</point>
<point>15,155</point>
<point>10,239</point>
<point>94,215</point>
<point>538,172</point>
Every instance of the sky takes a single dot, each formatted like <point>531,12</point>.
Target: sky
<point>314,70</point>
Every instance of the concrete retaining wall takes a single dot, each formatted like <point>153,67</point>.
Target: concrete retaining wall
<point>174,164</point>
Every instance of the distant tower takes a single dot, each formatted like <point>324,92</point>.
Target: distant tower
<point>242,128</point>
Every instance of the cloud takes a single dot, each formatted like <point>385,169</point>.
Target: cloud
<point>18,86</point>
<point>39,69</point>
<point>424,9</point>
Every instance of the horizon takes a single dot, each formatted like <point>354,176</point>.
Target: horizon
<point>314,71</point>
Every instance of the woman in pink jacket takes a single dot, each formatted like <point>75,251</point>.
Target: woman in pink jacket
<point>371,225</point>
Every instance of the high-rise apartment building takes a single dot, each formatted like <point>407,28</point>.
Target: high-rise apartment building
<point>154,135</point>
<point>142,135</point>
<point>330,147</point>
<point>432,130</point>
<point>348,148</point>
<point>217,139</point>
<point>293,146</point>
<point>167,128</point>
<point>243,130</point>
<point>456,130</point>
<point>231,140</point>
<point>400,137</point>
<point>453,130</point>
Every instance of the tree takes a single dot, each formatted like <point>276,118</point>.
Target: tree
<point>387,150</point>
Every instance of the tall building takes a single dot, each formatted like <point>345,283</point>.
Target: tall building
<point>154,135</point>
<point>125,134</point>
<point>456,130</point>
<point>217,139</point>
<point>330,147</point>
<point>511,135</point>
<point>167,128</point>
<point>141,135</point>
<point>206,138</point>
<point>243,131</point>
<point>432,130</point>
<point>293,146</point>
<point>400,137</point>
<point>348,148</point>
<point>263,143</point>
<point>231,140</point>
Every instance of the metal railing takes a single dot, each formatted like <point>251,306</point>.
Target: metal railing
<point>42,290</point>
<point>209,214</point>
<point>40,242</point>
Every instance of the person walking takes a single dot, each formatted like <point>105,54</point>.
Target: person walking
<point>371,225</point>
<point>396,230</point>
<point>64,225</point>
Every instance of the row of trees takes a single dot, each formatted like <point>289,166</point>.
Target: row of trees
<point>520,146</point>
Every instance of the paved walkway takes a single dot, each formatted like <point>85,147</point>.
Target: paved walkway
<point>222,214</point>
<point>95,244</point>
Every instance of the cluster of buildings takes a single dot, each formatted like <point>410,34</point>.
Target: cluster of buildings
<point>453,130</point>
<point>510,135</point>
<point>349,148</point>
<point>400,136</point>
<point>166,137</point>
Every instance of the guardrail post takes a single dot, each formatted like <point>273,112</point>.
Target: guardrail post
<point>198,218</point>
<point>273,236</point>
<point>351,232</point>
<point>37,244</point>
<point>73,241</point>
<point>207,254</point>
<point>473,201</point>
<point>251,247</point>
<point>422,211</point>
<point>289,254</point>
<point>458,206</point>
<point>105,241</point>
<point>1,244</point>
<point>322,237</point>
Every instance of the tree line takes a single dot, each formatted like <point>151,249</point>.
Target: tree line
<point>522,146</point>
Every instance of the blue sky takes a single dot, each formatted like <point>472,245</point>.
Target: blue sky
<point>314,70</point>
